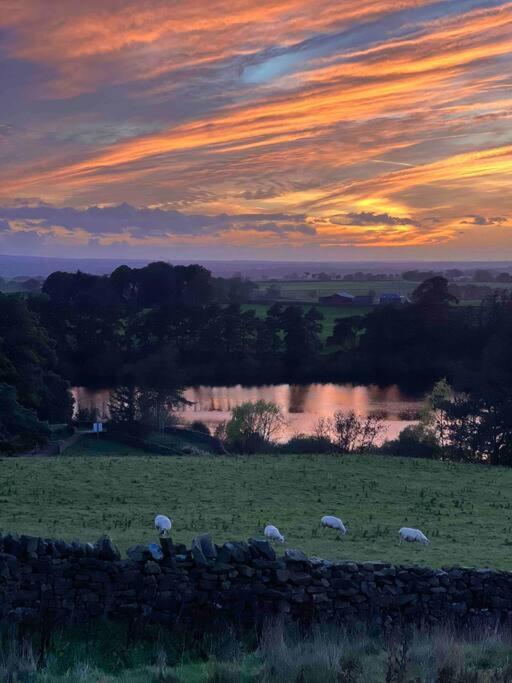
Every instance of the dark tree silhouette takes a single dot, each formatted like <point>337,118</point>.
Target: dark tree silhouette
<point>434,292</point>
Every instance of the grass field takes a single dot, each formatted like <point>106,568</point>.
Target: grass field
<point>330,313</point>
<point>105,488</point>
<point>309,289</point>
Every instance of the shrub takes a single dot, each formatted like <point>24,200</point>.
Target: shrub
<point>414,441</point>
<point>307,443</point>
<point>198,426</point>
<point>348,432</point>
<point>253,426</point>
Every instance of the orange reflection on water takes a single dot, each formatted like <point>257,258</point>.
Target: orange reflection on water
<point>302,404</point>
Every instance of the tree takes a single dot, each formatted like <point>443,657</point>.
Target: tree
<point>436,413</point>
<point>253,426</point>
<point>346,332</point>
<point>434,292</point>
<point>122,406</point>
<point>28,361</point>
<point>20,429</point>
<point>415,441</point>
<point>355,434</point>
<point>301,335</point>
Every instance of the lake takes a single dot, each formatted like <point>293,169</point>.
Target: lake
<point>302,404</point>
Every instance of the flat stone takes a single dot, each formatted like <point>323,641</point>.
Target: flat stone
<point>106,549</point>
<point>263,548</point>
<point>207,546</point>
<point>138,553</point>
<point>198,555</point>
<point>234,551</point>
<point>292,555</point>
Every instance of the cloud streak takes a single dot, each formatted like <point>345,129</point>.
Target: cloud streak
<point>313,127</point>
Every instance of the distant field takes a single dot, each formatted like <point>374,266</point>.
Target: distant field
<point>330,313</point>
<point>305,289</point>
<point>105,488</point>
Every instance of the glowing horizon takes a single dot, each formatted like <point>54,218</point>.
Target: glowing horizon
<point>357,130</point>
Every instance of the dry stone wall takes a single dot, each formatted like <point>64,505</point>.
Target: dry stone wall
<point>63,583</point>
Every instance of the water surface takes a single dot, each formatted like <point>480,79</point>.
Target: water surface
<point>302,404</point>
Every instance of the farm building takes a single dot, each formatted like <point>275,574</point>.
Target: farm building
<point>337,299</point>
<point>363,300</point>
<point>392,298</point>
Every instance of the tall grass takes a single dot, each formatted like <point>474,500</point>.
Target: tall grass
<point>282,654</point>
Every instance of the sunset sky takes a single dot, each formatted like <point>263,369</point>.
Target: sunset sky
<point>287,129</point>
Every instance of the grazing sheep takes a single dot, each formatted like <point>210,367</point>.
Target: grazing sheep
<point>333,523</point>
<point>163,524</point>
<point>412,535</point>
<point>272,533</point>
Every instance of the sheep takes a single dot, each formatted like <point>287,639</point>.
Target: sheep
<point>163,525</point>
<point>331,522</point>
<point>273,534</point>
<point>412,535</point>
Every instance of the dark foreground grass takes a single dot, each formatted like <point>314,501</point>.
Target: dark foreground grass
<point>466,510</point>
<point>106,653</point>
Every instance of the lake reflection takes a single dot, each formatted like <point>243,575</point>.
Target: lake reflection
<point>301,404</point>
<point>304,404</point>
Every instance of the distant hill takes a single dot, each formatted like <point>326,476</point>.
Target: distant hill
<point>33,266</point>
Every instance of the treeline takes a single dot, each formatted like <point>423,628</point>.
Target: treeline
<point>162,327</point>
<point>32,392</point>
<point>157,284</point>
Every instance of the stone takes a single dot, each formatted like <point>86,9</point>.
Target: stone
<point>167,546</point>
<point>138,553</point>
<point>198,555</point>
<point>207,545</point>
<point>12,544</point>
<point>203,550</point>
<point>283,575</point>
<point>152,568</point>
<point>106,549</point>
<point>262,548</point>
<point>30,545</point>
<point>292,555</point>
<point>155,551</point>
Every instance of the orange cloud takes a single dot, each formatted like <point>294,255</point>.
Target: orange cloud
<point>366,114</point>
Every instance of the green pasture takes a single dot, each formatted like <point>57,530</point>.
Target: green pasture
<point>311,290</point>
<point>101,487</point>
<point>305,290</point>
<point>330,313</point>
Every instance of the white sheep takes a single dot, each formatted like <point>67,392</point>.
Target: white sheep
<point>163,524</point>
<point>272,533</point>
<point>332,522</point>
<point>412,535</point>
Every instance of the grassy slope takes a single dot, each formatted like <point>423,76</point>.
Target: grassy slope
<point>330,313</point>
<point>466,509</point>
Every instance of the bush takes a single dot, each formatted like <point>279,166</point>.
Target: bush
<point>253,427</point>
<point>413,442</point>
<point>350,433</point>
<point>307,443</point>
<point>198,426</point>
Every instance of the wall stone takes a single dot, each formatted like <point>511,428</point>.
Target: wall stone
<point>60,582</point>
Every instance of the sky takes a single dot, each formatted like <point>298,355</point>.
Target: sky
<point>286,129</point>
